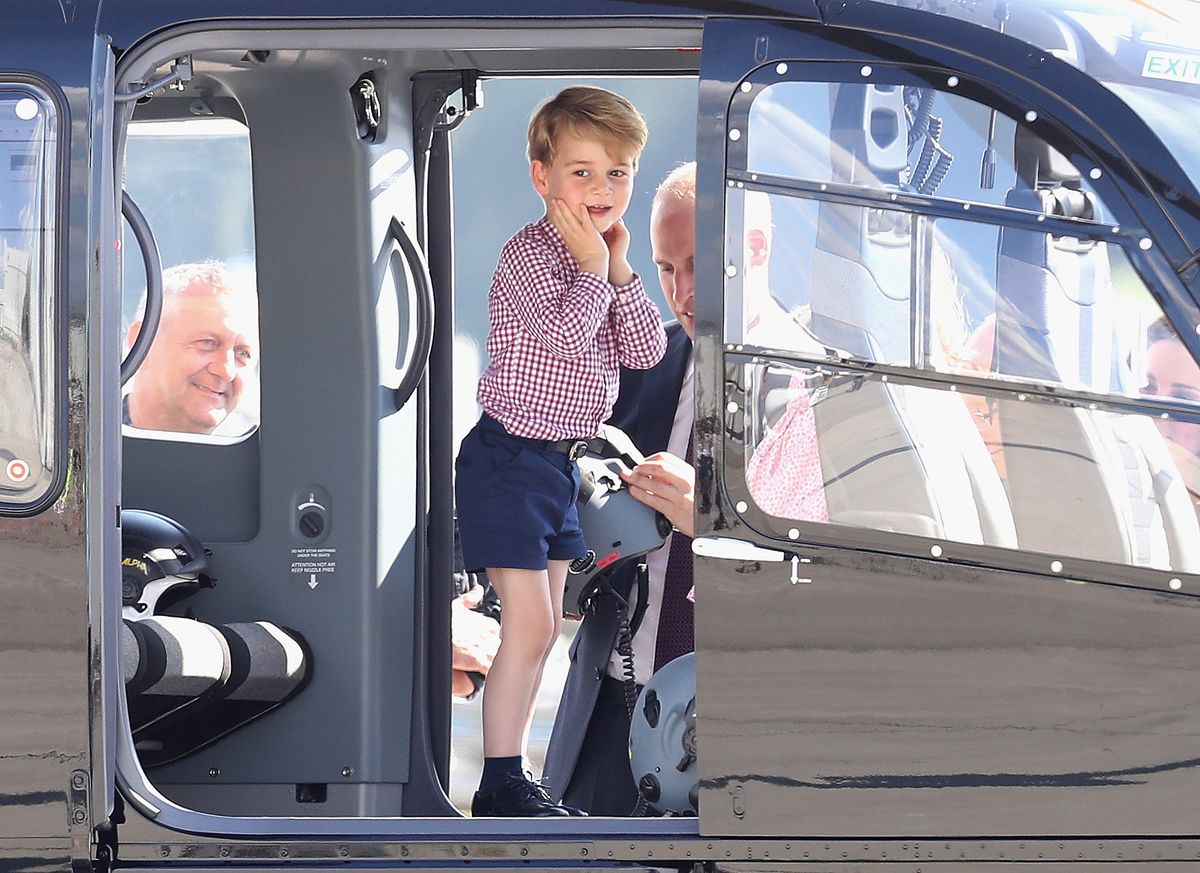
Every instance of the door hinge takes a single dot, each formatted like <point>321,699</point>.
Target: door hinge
<point>79,824</point>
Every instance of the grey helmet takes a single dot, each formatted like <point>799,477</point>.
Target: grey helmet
<point>662,740</point>
<point>616,527</point>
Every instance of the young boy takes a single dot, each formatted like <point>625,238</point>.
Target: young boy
<point>566,312</point>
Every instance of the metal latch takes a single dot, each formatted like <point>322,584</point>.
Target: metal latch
<point>177,79</point>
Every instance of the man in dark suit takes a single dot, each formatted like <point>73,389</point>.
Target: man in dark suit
<point>587,763</point>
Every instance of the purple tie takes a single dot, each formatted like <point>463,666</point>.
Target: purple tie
<point>676,619</point>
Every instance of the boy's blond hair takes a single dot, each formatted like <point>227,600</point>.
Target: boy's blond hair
<point>590,113</point>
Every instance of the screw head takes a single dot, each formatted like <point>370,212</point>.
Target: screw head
<point>214,772</point>
<point>347,771</point>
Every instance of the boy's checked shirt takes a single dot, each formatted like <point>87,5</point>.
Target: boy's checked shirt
<point>558,337</point>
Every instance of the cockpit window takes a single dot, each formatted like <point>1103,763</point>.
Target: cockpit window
<point>1146,51</point>
<point>29,139</point>
<point>1171,116</point>
<point>200,379</point>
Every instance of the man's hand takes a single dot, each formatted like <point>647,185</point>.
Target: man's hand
<point>665,482</point>
<point>617,240</point>
<point>474,639</point>
<point>583,240</point>
<point>461,684</point>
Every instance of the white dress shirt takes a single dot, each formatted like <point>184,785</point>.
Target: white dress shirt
<point>656,562</point>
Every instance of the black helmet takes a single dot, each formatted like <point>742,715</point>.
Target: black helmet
<point>158,555</point>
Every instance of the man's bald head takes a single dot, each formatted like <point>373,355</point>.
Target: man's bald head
<point>679,185</point>
<point>673,242</point>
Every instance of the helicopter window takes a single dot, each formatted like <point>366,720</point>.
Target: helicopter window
<point>929,293</point>
<point>826,445</point>
<point>920,289</point>
<point>900,137</point>
<point>29,447</point>
<point>885,139</point>
<point>192,180</point>
<point>826,279</point>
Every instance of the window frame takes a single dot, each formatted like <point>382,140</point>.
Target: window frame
<point>55,197</point>
<point>723,498</point>
<point>228,114</point>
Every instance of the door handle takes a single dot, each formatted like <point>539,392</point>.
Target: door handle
<point>734,550</point>
<point>740,550</point>
<point>424,297</point>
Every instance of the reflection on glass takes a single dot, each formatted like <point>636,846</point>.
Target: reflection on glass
<point>896,137</point>
<point>968,468</point>
<point>852,277</point>
<point>887,286</point>
<point>1143,50</point>
<point>192,179</point>
<point>1172,373</point>
<point>843,278</point>
<point>28,146</point>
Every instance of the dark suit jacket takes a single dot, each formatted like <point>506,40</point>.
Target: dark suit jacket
<point>645,410</point>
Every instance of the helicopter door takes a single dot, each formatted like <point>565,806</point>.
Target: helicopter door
<point>945,563</point>
<point>58,513</point>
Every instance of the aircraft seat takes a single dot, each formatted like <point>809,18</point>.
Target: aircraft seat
<point>903,458</point>
<point>189,683</point>
<point>172,666</point>
<point>1055,322</point>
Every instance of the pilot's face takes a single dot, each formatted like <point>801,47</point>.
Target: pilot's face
<point>584,173</point>
<point>1171,372</point>
<point>673,245</point>
<point>194,374</point>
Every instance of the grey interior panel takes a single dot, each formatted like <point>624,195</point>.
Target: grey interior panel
<point>212,490</point>
<point>348,591</point>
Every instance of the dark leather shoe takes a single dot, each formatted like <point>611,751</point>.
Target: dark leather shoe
<point>571,810</point>
<point>516,796</point>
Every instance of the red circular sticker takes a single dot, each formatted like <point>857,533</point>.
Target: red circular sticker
<point>17,470</point>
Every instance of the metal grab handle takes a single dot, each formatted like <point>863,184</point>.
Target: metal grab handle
<point>424,291</point>
<point>154,287</point>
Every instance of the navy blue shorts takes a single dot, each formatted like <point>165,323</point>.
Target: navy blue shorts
<point>515,500</point>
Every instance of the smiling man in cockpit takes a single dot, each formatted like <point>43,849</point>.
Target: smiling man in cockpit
<point>204,352</point>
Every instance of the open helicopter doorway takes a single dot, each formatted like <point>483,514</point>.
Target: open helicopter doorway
<point>492,199</point>
<point>320,522</point>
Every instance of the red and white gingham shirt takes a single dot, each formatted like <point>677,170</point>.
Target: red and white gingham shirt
<point>558,337</point>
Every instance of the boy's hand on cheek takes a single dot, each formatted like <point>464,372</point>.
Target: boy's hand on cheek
<point>617,240</point>
<point>583,240</point>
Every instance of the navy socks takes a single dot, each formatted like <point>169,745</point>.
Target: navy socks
<point>496,769</point>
